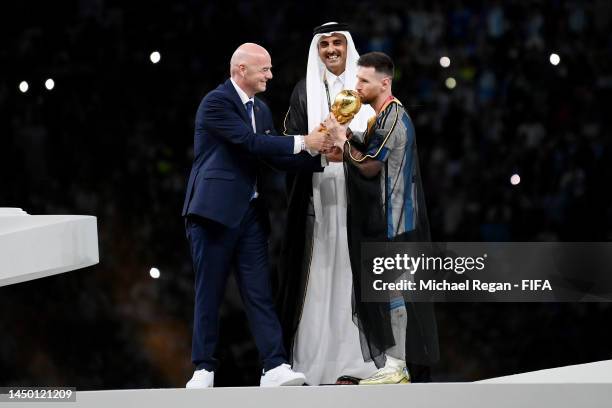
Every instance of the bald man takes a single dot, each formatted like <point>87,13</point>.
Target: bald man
<point>224,219</point>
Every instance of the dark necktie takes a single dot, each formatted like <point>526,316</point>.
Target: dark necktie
<point>249,108</point>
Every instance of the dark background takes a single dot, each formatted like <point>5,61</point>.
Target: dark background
<point>114,139</point>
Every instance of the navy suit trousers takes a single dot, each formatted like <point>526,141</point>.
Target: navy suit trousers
<point>215,249</point>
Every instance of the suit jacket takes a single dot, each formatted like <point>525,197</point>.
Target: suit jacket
<point>227,154</point>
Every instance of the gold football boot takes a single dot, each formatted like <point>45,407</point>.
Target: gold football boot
<point>388,375</point>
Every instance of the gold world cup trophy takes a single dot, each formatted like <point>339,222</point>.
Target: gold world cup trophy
<point>346,105</point>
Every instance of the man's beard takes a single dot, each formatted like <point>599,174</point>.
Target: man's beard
<point>367,100</point>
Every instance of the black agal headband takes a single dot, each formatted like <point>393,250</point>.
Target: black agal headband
<point>330,28</point>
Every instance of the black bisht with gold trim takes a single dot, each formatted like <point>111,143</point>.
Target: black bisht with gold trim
<point>368,222</point>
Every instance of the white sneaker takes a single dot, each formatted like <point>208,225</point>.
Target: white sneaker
<point>201,379</point>
<point>281,375</point>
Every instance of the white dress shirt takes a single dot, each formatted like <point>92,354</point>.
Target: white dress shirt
<point>335,84</point>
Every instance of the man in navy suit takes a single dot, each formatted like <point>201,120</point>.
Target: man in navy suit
<point>225,228</point>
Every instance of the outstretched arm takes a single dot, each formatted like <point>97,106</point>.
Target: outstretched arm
<point>218,116</point>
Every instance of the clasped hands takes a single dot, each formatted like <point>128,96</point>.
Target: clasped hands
<point>328,138</point>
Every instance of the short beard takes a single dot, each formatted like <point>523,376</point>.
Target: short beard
<point>367,101</point>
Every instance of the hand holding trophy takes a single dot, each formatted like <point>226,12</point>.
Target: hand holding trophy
<point>346,105</point>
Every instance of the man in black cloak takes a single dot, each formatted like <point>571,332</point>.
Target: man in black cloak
<point>386,203</point>
<point>316,280</point>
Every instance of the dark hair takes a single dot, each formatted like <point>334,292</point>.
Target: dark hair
<point>380,61</point>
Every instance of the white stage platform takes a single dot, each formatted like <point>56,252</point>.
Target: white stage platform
<point>599,372</point>
<point>585,385</point>
<point>469,395</point>
<point>35,246</point>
